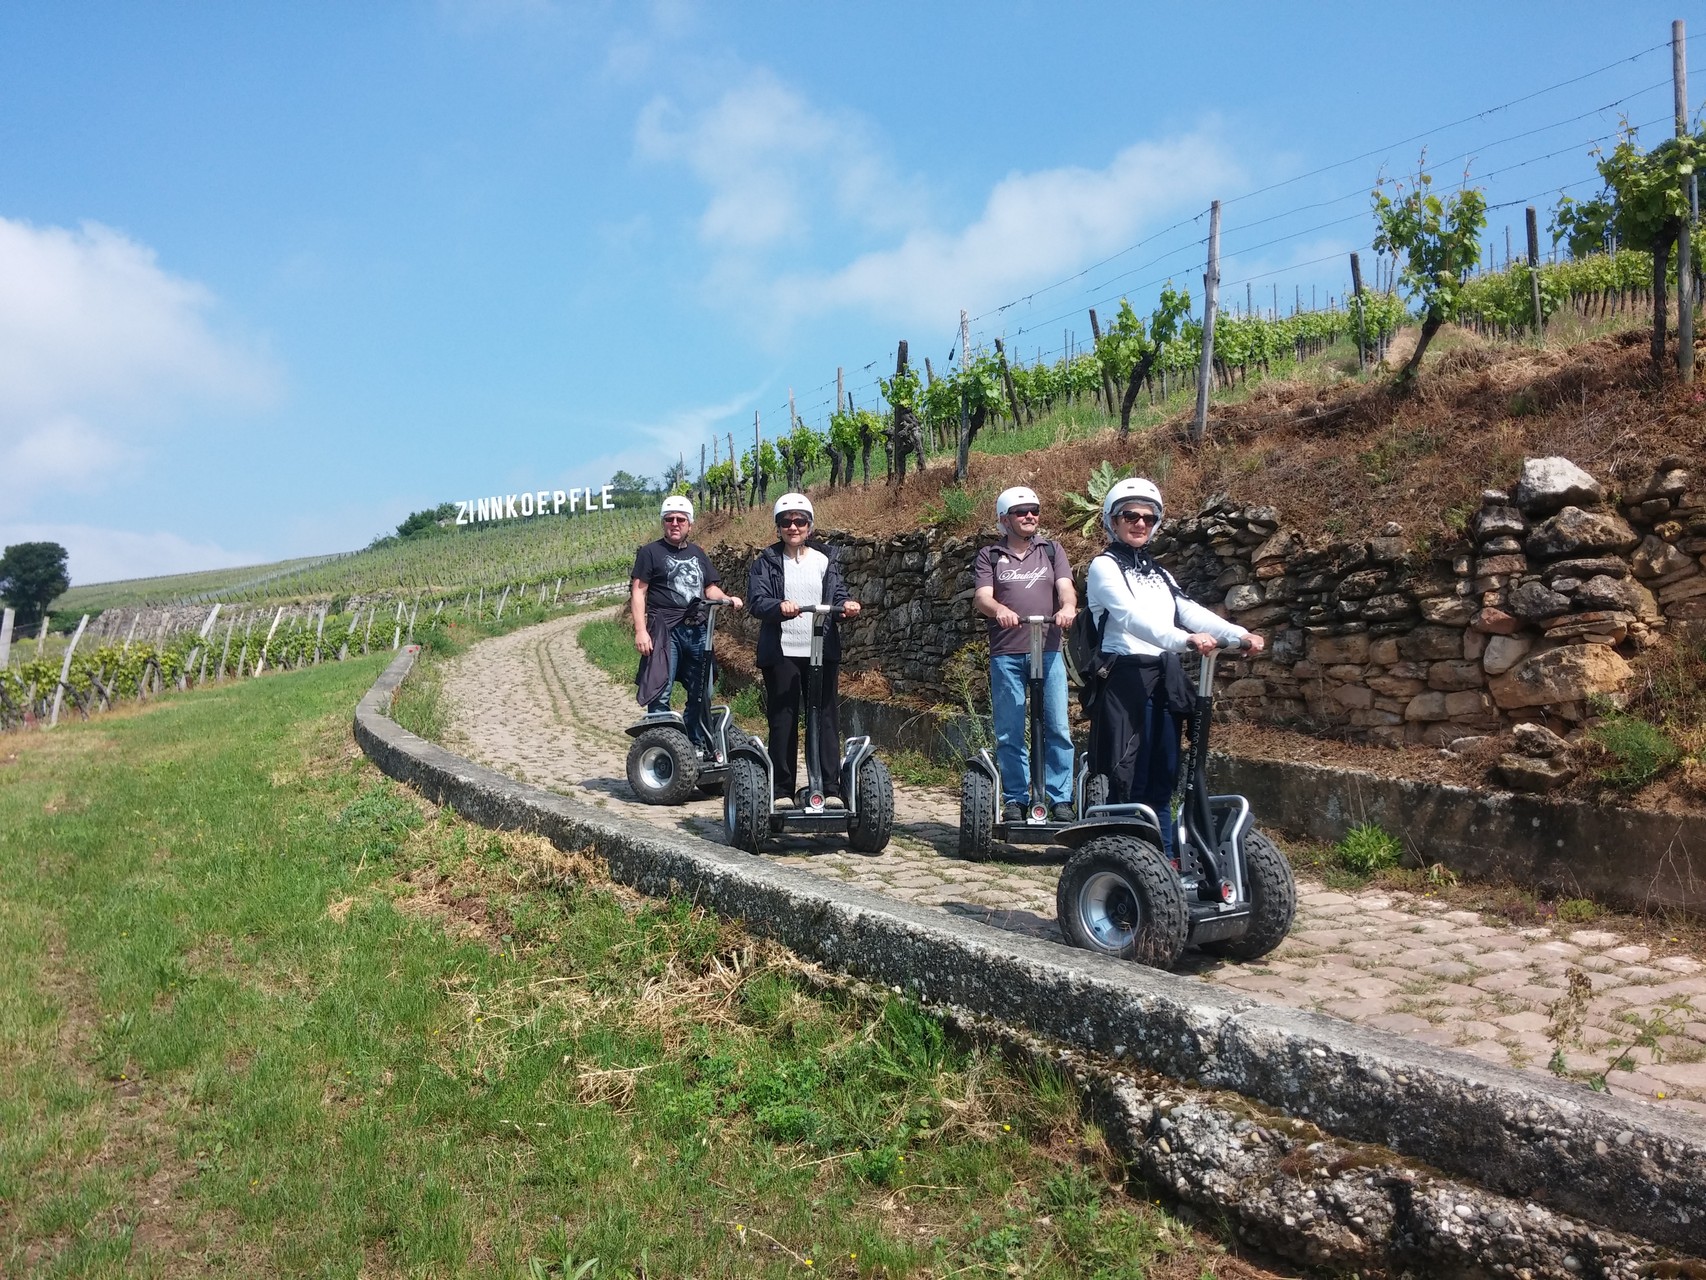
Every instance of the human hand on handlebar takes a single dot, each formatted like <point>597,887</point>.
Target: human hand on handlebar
<point>1063,618</point>
<point>789,609</point>
<point>1202,642</point>
<point>850,609</point>
<point>1254,643</point>
<point>1005,617</point>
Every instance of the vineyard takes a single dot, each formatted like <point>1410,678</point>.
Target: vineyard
<point>579,549</point>
<point>245,642</point>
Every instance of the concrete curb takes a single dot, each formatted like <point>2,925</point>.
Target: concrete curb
<point>1624,1165</point>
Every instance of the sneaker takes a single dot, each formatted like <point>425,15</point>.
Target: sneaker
<point>1063,813</point>
<point>1013,811</point>
<point>782,802</point>
<point>834,802</point>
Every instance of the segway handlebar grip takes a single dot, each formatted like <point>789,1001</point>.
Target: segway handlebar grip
<point>820,608</point>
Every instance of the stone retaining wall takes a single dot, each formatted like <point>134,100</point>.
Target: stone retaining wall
<point>1552,588</point>
<point>1612,1162</point>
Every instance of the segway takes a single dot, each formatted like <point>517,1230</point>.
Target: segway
<point>1228,889</point>
<point>981,824</point>
<point>749,816</point>
<point>665,765</point>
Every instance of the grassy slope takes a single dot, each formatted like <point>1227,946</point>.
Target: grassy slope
<point>600,544</point>
<point>262,1013</point>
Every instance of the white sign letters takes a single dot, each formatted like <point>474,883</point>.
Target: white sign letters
<point>517,506</point>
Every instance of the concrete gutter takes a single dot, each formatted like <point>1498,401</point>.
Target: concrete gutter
<point>1624,1165</point>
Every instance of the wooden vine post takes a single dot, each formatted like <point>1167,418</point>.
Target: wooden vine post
<point>65,671</point>
<point>1107,379</point>
<point>1534,276</point>
<point>1211,297</point>
<point>1684,243</point>
<point>1007,381</point>
<point>1362,341</point>
<point>6,620</point>
<point>261,662</point>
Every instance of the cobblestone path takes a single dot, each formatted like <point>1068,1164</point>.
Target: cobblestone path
<point>533,706</point>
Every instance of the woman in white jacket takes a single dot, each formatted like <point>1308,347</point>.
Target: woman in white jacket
<point>1146,623</point>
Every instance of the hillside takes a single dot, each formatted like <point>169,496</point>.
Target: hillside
<point>581,549</point>
<point>1332,453</point>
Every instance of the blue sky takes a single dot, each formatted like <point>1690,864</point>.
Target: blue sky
<point>274,275</point>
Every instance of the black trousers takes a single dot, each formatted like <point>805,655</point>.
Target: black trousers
<point>784,695</point>
<point>1135,739</point>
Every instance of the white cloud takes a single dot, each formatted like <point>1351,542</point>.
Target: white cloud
<point>678,434</point>
<point>99,349</point>
<point>1033,227</point>
<point>776,167</point>
<point>109,555</point>
<point>782,176</point>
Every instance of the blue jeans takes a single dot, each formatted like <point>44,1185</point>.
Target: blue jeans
<point>687,658</point>
<point>1008,675</point>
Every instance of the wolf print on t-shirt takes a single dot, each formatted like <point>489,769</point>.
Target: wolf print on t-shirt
<point>686,579</point>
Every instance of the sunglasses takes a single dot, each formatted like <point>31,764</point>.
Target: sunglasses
<point>1022,512</point>
<point>793,522</point>
<point>676,520</point>
<point>1138,517</point>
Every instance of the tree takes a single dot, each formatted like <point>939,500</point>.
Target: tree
<point>1646,190</point>
<point>1439,241</point>
<point>1129,349</point>
<point>31,575</point>
<point>426,521</point>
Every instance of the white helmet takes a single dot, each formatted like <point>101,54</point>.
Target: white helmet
<point>1135,489</point>
<point>677,504</point>
<point>795,502</point>
<point>1017,496</point>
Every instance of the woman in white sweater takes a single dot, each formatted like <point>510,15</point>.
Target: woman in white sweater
<point>1146,623</point>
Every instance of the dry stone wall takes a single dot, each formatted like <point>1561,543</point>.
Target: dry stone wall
<point>1552,588</point>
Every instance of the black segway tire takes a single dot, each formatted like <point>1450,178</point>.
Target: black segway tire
<point>1273,902</point>
<point>873,818</point>
<point>977,816</point>
<point>746,805</point>
<point>1119,895</point>
<point>1096,790</point>
<point>663,767</point>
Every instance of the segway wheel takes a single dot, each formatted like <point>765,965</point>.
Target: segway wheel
<point>1096,790</point>
<point>873,819</point>
<point>1273,902</point>
<point>746,804</point>
<point>977,815</point>
<point>1120,896</point>
<point>663,767</point>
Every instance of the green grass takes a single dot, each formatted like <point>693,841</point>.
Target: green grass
<point>263,1013</point>
<point>609,643</point>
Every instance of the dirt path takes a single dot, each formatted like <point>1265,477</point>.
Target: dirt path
<point>532,705</point>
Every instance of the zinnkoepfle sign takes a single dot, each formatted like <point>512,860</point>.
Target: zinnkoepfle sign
<point>514,506</point>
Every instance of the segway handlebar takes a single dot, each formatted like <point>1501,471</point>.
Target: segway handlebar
<point>1205,669</point>
<point>820,608</point>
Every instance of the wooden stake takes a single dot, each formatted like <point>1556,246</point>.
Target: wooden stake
<point>1684,245</point>
<point>1362,343</point>
<point>6,619</point>
<point>1107,378</point>
<point>1534,274</point>
<point>1211,292</point>
<point>261,662</point>
<point>65,671</point>
<point>1007,381</point>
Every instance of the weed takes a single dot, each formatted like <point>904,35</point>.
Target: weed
<point>1577,910</point>
<point>1087,506</point>
<point>1632,751</point>
<point>916,769</point>
<point>1368,848</point>
<point>966,673</point>
<point>956,509</point>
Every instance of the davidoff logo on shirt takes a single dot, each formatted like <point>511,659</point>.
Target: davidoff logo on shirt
<point>1023,577</point>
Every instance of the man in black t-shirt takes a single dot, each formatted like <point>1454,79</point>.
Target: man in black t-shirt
<point>670,578</point>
